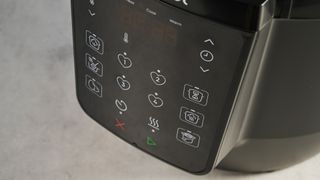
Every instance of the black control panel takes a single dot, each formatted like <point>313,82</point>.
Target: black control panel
<point>160,78</point>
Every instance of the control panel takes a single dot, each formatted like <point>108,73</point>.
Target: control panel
<point>158,77</point>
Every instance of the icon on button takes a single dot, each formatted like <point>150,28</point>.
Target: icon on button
<point>155,100</point>
<point>158,78</point>
<point>206,56</point>
<point>154,123</point>
<point>126,37</point>
<point>204,70</point>
<point>187,137</point>
<point>92,2</point>
<point>151,141</point>
<point>94,86</point>
<point>94,65</point>
<point>192,117</point>
<point>120,124</point>
<point>91,12</point>
<point>123,83</point>
<point>121,105</point>
<point>196,95</point>
<point>210,41</point>
<point>94,42</point>
<point>124,60</point>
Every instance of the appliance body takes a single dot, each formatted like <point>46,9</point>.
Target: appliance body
<point>202,84</point>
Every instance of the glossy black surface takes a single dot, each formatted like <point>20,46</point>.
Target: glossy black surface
<point>281,125</point>
<point>298,9</point>
<point>169,78</point>
<point>243,14</point>
<point>305,9</point>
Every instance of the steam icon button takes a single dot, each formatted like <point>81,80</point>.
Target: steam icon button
<point>187,137</point>
<point>93,85</point>
<point>94,42</point>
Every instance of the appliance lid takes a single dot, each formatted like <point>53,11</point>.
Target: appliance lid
<point>248,15</point>
<point>305,9</point>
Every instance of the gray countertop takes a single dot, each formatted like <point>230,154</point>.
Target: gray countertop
<point>44,134</point>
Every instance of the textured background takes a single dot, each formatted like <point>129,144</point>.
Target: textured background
<point>44,135</point>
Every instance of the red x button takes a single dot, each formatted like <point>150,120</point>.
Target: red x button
<point>120,124</point>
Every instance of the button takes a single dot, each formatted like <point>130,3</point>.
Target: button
<point>204,69</point>
<point>155,100</point>
<point>94,86</point>
<point>195,95</point>
<point>131,2</point>
<point>123,83</point>
<point>94,65</point>
<point>92,2</point>
<point>94,42</point>
<point>158,78</point>
<point>188,138</point>
<point>181,2</point>
<point>151,141</point>
<point>192,117</point>
<point>126,37</point>
<point>120,124</point>
<point>206,56</point>
<point>154,124</point>
<point>121,105</point>
<point>210,41</point>
<point>124,60</point>
<point>91,12</point>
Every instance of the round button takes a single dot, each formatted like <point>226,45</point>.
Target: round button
<point>206,56</point>
<point>124,60</point>
<point>121,105</point>
<point>158,78</point>
<point>123,83</point>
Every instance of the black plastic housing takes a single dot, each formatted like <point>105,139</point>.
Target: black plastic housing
<point>200,84</point>
<point>248,15</point>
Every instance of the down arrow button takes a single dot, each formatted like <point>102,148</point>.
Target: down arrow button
<point>204,70</point>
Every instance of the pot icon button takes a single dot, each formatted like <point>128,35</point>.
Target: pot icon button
<point>187,137</point>
<point>158,78</point>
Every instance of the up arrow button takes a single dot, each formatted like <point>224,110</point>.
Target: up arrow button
<point>209,41</point>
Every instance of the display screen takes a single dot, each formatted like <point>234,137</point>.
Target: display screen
<point>148,22</point>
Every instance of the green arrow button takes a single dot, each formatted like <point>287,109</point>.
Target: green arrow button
<point>151,142</point>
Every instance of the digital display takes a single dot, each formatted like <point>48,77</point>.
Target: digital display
<point>148,23</point>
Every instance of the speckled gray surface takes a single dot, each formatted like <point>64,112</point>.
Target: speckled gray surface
<point>44,135</point>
